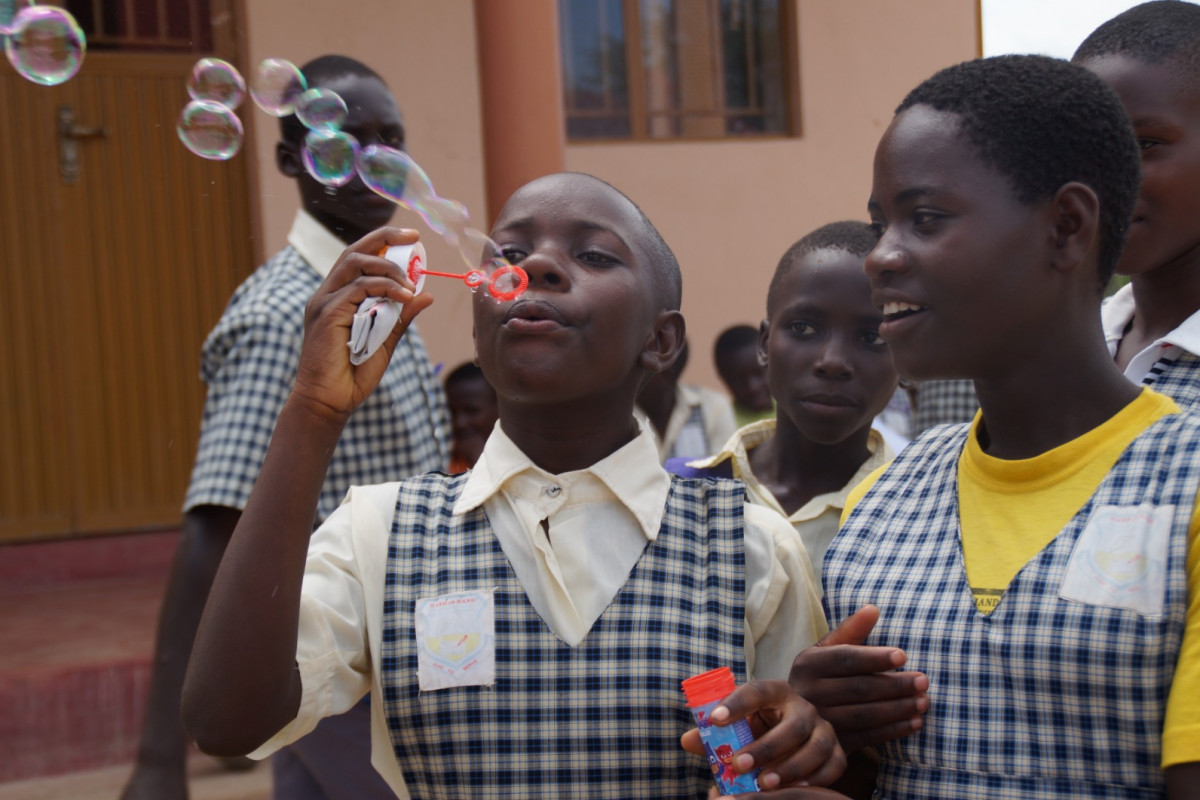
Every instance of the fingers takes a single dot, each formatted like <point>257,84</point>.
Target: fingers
<point>854,629</point>
<point>797,746</point>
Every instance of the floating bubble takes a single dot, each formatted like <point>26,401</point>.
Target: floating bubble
<point>216,80</point>
<point>393,174</point>
<point>210,130</point>
<point>329,156</point>
<point>276,86</point>
<point>321,109</point>
<point>45,44</point>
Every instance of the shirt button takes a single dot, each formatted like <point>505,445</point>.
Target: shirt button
<point>552,491</point>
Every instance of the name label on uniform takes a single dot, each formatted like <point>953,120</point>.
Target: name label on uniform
<point>456,640</point>
<point>1120,560</point>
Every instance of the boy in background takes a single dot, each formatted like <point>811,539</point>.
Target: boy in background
<point>736,356</point>
<point>689,421</point>
<point>473,412</point>
<point>249,363</point>
<point>528,622</point>
<point>830,374</point>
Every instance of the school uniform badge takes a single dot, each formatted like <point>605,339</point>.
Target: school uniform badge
<point>456,640</point>
<point>1120,559</point>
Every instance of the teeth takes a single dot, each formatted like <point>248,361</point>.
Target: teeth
<point>896,308</point>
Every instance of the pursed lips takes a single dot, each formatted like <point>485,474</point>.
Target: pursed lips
<point>533,316</point>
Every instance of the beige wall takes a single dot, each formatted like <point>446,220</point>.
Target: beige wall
<point>425,50</point>
<point>730,209</point>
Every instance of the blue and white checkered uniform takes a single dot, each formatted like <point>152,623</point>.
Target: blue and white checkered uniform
<point>1044,697</point>
<point>599,720</point>
<point>249,363</point>
<point>1177,378</point>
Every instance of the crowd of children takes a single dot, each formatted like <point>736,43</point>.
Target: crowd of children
<point>1015,599</point>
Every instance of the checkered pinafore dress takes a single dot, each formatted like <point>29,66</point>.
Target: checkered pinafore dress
<point>1177,378</point>
<point>598,720</point>
<point>1044,697</point>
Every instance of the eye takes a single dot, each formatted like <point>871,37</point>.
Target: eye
<point>1147,144</point>
<point>878,227</point>
<point>513,254</point>
<point>596,258</point>
<point>872,339</point>
<point>923,218</point>
<point>802,328</point>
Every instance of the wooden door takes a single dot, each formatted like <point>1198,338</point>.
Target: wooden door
<point>110,279</point>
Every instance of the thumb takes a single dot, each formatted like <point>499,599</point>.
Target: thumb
<point>854,629</point>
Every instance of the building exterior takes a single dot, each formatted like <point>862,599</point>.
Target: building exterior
<point>99,441</point>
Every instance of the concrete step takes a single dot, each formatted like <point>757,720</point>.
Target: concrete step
<point>77,623</point>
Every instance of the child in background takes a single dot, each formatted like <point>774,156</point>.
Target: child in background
<point>830,375</point>
<point>529,622</point>
<point>689,421</point>
<point>736,356</point>
<point>1037,566</point>
<point>473,413</point>
<point>1150,56</point>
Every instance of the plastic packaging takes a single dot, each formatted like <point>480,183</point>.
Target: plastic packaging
<point>704,692</point>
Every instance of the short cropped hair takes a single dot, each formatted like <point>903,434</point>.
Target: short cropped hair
<point>1043,122</point>
<point>1160,32</point>
<point>667,275</point>
<point>322,71</point>
<point>854,237</point>
<point>465,373</point>
<point>733,339</point>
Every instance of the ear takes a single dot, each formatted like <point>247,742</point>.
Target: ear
<point>1075,220</point>
<point>287,159</point>
<point>665,345</point>
<point>764,330</point>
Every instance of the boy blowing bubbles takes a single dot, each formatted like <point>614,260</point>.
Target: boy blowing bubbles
<point>527,624</point>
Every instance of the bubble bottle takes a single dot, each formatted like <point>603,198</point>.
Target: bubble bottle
<point>704,692</point>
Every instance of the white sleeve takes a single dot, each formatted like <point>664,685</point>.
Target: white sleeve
<point>783,604</point>
<point>333,650</point>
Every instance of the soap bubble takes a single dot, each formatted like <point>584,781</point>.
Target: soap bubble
<point>216,80</point>
<point>393,174</point>
<point>45,44</point>
<point>210,130</point>
<point>329,156</point>
<point>321,109</point>
<point>276,86</point>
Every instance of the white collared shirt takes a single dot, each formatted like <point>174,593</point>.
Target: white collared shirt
<point>816,521</point>
<point>1116,314</point>
<point>570,576</point>
<point>314,242</point>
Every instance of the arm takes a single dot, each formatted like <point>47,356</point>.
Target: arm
<point>1183,781</point>
<point>242,685</point>
<point>857,688</point>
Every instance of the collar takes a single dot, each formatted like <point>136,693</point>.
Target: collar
<point>1118,310</point>
<point>315,243</point>
<point>744,440</point>
<point>632,474</point>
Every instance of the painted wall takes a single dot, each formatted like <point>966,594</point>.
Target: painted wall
<point>426,53</point>
<point>730,209</point>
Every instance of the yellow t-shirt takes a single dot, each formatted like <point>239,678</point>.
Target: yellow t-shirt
<point>1009,510</point>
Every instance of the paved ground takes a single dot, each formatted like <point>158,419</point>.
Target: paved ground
<point>209,782</point>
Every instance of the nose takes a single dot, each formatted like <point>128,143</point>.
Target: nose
<point>834,359</point>
<point>545,269</point>
<point>886,258</point>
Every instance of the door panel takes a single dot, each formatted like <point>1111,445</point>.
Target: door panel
<point>110,283</point>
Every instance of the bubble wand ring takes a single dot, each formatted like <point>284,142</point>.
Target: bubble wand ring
<point>507,282</point>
